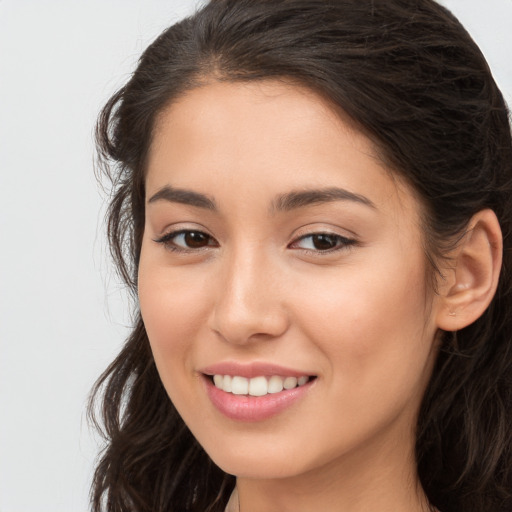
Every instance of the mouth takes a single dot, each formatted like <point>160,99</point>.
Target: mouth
<point>257,398</point>
<point>257,390</point>
<point>259,385</point>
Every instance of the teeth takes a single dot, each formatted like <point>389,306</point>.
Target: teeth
<point>239,386</point>
<point>290,383</point>
<point>302,380</point>
<point>275,384</point>
<point>218,380</point>
<point>227,383</point>
<point>257,386</point>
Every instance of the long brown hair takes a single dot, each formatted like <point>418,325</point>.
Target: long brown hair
<point>412,79</point>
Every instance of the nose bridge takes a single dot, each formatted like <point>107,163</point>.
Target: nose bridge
<point>248,302</point>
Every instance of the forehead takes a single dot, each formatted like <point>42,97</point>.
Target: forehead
<point>267,135</point>
<point>261,114</point>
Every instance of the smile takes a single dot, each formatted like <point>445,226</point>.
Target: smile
<point>258,398</point>
<point>257,386</point>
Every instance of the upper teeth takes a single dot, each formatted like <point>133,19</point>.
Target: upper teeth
<point>257,386</point>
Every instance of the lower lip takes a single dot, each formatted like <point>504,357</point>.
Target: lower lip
<point>254,408</point>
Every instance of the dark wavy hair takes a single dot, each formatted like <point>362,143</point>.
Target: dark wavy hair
<point>412,79</point>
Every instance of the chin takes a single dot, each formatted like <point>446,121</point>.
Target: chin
<point>271,460</point>
<point>257,468</point>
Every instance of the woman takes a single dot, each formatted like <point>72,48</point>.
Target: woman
<point>311,202</point>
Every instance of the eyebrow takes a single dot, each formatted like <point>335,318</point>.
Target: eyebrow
<point>283,203</point>
<point>183,196</point>
<point>302,198</point>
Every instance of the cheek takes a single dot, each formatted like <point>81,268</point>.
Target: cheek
<point>172,308</point>
<point>378,335</point>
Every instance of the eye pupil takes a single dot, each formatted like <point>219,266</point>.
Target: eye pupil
<point>195,239</point>
<point>323,242</point>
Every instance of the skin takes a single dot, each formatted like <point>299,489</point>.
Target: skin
<point>359,317</point>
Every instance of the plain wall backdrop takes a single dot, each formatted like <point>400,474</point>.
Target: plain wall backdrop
<point>63,313</point>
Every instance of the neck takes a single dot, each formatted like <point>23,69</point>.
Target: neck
<point>383,480</point>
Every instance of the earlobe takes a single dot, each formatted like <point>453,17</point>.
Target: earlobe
<point>472,279</point>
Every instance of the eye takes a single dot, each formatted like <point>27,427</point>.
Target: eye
<point>186,240</point>
<point>322,242</point>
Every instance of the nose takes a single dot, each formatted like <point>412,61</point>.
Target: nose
<point>249,303</point>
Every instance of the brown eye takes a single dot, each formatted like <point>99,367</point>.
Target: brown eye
<point>324,242</point>
<point>195,239</point>
<point>187,240</point>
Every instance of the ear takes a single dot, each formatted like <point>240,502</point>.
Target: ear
<point>472,278</point>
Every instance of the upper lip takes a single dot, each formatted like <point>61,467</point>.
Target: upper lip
<point>250,370</point>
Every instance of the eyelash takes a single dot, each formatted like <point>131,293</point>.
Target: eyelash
<point>341,242</point>
<point>167,240</point>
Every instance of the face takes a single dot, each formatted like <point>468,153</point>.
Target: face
<point>282,282</point>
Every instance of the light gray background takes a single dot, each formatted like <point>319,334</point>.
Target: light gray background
<point>62,311</point>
